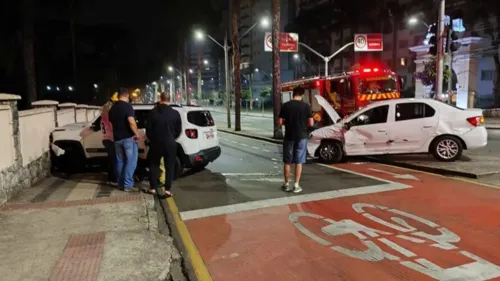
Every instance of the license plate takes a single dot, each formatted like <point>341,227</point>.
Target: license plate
<point>209,135</point>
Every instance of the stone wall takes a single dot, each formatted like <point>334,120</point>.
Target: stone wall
<point>18,176</point>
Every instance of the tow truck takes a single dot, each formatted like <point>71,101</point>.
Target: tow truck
<point>347,91</point>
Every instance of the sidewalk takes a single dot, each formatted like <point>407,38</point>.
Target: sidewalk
<point>78,229</point>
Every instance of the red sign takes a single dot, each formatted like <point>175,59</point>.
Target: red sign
<point>289,42</point>
<point>373,42</point>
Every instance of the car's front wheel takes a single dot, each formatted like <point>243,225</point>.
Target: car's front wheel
<point>446,148</point>
<point>330,152</point>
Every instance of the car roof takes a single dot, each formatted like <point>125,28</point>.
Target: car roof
<point>405,100</point>
<point>177,107</point>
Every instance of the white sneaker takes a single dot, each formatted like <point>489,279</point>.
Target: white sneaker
<point>297,189</point>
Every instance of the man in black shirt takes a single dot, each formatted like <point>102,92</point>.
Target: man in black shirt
<point>163,128</point>
<point>296,116</point>
<point>125,135</point>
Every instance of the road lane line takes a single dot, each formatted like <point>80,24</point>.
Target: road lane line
<point>243,144</point>
<point>276,202</point>
<point>199,267</point>
<point>254,147</point>
<point>250,174</point>
<point>441,176</point>
<point>250,139</point>
<point>266,150</point>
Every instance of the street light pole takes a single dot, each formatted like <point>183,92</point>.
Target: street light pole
<point>439,61</point>
<point>326,59</point>
<point>226,66</point>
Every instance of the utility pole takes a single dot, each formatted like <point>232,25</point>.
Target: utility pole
<point>198,73</point>
<point>276,12</point>
<point>186,72</point>
<point>439,60</point>
<point>228,91</point>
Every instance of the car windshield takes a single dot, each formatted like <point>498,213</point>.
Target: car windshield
<point>379,84</point>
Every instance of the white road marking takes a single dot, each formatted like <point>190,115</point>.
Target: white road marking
<point>234,141</point>
<point>264,179</point>
<point>243,144</point>
<point>254,147</point>
<point>274,159</point>
<point>249,174</point>
<point>265,150</point>
<point>276,202</point>
<point>397,176</point>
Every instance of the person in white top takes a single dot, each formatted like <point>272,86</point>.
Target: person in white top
<point>107,140</point>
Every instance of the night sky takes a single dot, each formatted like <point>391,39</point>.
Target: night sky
<point>117,43</point>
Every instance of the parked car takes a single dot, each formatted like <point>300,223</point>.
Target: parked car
<point>198,145</point>
<point>399,126</point>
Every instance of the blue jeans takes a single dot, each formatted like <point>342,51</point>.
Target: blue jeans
<point>127,154</point>
<point>295,152</point>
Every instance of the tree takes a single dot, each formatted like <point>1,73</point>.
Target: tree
<point>28,35</point>
<point>266,92</point>
<point>246,95</point>
<point>276,14</point>
<point>236,65</point>
<point>488,12</point>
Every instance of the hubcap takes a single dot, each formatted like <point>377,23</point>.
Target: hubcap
<point>447,149</point>
<point>328,152</point>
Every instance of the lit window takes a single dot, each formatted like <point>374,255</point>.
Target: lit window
<point>402,62</point>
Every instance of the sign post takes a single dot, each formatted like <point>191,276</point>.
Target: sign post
<point>371,42</point>
<point>289,42</point>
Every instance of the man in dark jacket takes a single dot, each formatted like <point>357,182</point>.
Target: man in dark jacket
<point>163,128</point>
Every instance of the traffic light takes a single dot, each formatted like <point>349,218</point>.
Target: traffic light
<point>452,46</point>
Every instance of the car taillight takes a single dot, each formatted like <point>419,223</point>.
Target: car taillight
<point>192,133</point>
<point>476,121</point>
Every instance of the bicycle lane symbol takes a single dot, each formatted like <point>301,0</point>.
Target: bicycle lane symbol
<point>478,269</point>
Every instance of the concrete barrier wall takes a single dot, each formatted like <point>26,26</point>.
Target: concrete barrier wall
<point>25,140</point>
<point>81,114</point>
<point>35,126</point>
<point>65,116</point>
<point>8,157</point>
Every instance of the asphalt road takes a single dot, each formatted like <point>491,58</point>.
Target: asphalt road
<point>250,170</point>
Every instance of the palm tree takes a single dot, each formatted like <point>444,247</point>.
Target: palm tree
<point>236,65</point>
<point>28,35</point>
<point>276,14</point>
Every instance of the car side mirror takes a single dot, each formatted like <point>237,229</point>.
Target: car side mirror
<point>347,126</point>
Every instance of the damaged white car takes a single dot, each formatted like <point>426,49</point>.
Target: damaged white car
<point>399,126</point>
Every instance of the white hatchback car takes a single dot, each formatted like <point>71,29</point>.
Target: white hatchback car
<point>399,126</point>
<point>198,144</point>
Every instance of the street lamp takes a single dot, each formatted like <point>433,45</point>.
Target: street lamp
<point>200,35</point>
<point>57,89</point>
<point>415,20</point>
<point>96,86</point>
<point>70,88</point>
<point>205,62</point>
<point>48,88</point>
<point>256,70</point>
<point>170,69</point>
<point>296,56</point>
<point>190,71</point>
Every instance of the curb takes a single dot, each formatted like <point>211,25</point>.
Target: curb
<point>271,140</point>
<point>439,171</point>
<point>427,169</point>
<point>187,267</point>
<point>245,114</point>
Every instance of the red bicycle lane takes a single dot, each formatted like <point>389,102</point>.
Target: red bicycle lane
<point>437,229</point>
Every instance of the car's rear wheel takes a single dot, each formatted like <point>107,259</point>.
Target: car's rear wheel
<point>330,152</point>
<point>446,148</point>
<point>179,168</point>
